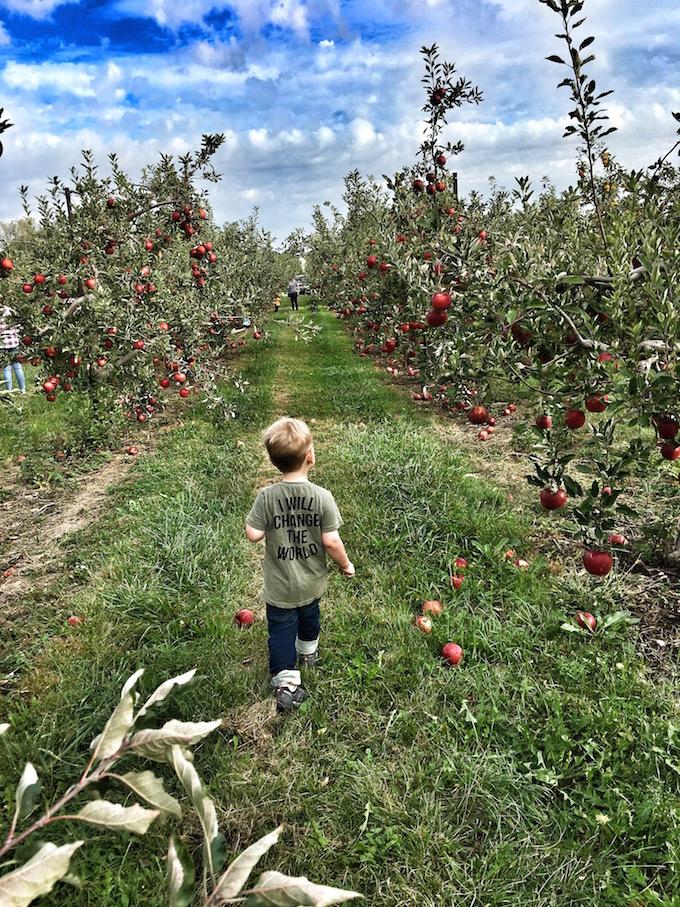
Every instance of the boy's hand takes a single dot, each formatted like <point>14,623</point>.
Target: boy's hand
<point>349,571</point>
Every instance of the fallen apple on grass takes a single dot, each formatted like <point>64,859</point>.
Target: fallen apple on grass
<point>424,623</point>
<point>244,618</point>
<point>433,606</point>
<point>452,653</point>
<point>586,620</point>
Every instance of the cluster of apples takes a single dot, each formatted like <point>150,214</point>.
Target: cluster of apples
<point>451,652</point>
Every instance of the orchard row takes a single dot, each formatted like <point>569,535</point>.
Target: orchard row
<point>127,290</point>
<point>566,300</point>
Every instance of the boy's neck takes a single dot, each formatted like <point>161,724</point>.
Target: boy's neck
<point>300,475</point>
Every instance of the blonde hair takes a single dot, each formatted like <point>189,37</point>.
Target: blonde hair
<point>288,442</point>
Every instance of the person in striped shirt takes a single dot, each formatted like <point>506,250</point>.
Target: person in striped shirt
<point>9,349</point>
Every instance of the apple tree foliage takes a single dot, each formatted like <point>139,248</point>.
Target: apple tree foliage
<point>567,299</point>
<point>129,291</point>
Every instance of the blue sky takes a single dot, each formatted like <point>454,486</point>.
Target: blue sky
<point>307,90</point>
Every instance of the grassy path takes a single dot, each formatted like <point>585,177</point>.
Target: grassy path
<point>544,771</point>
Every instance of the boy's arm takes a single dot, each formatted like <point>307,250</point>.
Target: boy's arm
<point>335,549</point>
<point>254,535</point>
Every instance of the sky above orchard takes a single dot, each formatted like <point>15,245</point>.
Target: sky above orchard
<point>307,90</point>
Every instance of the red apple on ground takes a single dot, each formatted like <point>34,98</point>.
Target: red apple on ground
<point>597,562</point>
<point>433,606</point>
<point>244,617</point>
<point>452,653</point>
<point>586,620</point>
<point>74,621</point>
<point>478,415</point>
<point>424,623</point>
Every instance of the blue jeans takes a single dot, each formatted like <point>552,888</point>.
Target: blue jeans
<point>286,627</point>
<point>18,371</point>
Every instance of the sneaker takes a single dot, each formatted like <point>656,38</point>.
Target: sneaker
<point>287,699</point>
<point>308,661</point>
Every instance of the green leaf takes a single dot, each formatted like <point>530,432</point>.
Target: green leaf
<point>27,793</point>
<point>277,890</point>
<point>181,875</point>
<point>38,876</point>
<point>236,876</point>
<point>555,59</point>
<point>113,816</point>
<point>150,788</point>
<point>570,628</point>
<point>157,743</point>
<point>164,690</point>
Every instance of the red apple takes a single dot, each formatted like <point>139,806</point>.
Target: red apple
<point>74,621</point>
<point>574,418</point>
<point>670,451</point>
<point>452,653</point>
<point>478,415</point>
<point>184,392</point>
<point>441,301</point>
<point>461,563</point>
<point>553,500</point>
<point>544,422</point>
<point>436,318</point>
<point>27,287</point>
<point>244,618</point>
<point>7,264</point>
<point>137,344</point>
<point>457,581</point>
<point>597,562</point>
<point>586,620</point>
<point>39,279</point>
<point>424,623</point>
<point>596,404</point>
<point>618,540</point>
<point>666,426</point>
<point>433,606</point>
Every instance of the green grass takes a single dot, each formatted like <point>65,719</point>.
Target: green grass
<point>542,771</point>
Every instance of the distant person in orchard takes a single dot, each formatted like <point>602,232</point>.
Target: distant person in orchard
<point>277,303</point>
<point>299,522</point>
<point>9,348</point>
<point>293,292</point>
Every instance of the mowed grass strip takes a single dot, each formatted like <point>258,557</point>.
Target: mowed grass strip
<point>542,771</point>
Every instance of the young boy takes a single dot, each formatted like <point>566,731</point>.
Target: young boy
<point>300,523</point>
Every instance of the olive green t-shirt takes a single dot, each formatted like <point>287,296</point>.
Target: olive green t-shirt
<point>293,515</point>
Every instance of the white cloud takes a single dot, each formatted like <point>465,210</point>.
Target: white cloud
<point>64,78</point>
<point>325,136</point>
<point>363,132</point>
<point>326,43</point>
<point>259,138</point>
<point>4,37</point>
<point>37,9</point>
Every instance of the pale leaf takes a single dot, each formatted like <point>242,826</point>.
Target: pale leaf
<point>181,875</point>
<point>38,876</point>
<point>131,683</point>
<point>4,728</point>
<point>278,890</point>
<point>28,789</point>
<point>156,743</point>
<point>117,728</point>
<point>204,806</point>
<point>236,876</point>
<point>105,814</point>
<point>150,788</point>
<point>165,689</point>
